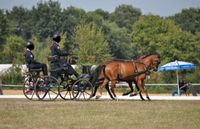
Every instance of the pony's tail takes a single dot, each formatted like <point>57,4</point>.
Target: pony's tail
<point>95,74</point>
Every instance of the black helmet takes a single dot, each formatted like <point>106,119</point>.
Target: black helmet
<point>30,45</point>
<point>56,38</point>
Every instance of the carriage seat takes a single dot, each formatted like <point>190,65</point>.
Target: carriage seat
<point>34,70</point>
<point>83,76</point>
<point>55,68</point>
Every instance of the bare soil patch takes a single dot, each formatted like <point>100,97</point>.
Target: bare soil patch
<point>12,92</point>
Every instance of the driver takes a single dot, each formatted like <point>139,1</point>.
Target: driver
<point>57,53</point>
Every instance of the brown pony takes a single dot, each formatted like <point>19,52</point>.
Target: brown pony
<point>128,71</point>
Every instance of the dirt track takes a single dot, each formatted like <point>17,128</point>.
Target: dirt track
<point>19,92</point>
<point>12,92</point>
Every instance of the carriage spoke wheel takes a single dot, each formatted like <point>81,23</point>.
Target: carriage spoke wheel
<point>82,89</point>
<point>47,89</point>
<point>28,88</point>
<point>65,90</point>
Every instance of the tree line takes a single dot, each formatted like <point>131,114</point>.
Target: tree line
<point>97,36</point>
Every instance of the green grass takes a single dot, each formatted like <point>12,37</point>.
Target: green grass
<point>24,114</point>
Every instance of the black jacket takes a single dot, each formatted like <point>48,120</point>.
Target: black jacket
<point>29,57</point>
<point>55,50</point>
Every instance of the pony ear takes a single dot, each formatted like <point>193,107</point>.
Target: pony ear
<point>158,55</point>
<point>158,60</point>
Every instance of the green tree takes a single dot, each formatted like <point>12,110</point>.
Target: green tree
<point>118,39</point>
<point>126,16</point>
<point>92,17</point>
<point>20,20</point>
<point>98,17</point>
<point>197,50</point>
<point>91,46</point>
<point>42,49</point>
<point>71,17</point>
<point>104,14</point>
<point>4,28</point>
<point>188,19</point>
<point>4,32</point>
<point>13,50</point>
<point>63,43</point>
<point>152,34</point>
<point>46,19</point>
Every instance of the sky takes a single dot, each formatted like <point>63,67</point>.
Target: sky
<point>156,7</point>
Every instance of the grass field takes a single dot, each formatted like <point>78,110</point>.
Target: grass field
<point>102,114</point>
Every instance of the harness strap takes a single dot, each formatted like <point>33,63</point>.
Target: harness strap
<point>135,68</point>
<point>136,71</point>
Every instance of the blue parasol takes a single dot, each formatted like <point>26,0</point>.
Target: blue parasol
<point>177,65</point>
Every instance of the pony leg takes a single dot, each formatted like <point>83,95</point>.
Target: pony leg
<point>95,91</point>
<point>145,90</point>
<point>133,93</point>
<point>101,88</point>
<point>136,86</point>
<point>95,88</point>
<point>140,86</point>
<point>107,88</point>
<point>113,82</point>
<point>131,87</point>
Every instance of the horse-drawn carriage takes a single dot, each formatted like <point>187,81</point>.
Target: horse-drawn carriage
<point>59,83</point>
<point>85,87</point>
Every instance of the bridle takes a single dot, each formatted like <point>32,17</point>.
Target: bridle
<point>148,69</point>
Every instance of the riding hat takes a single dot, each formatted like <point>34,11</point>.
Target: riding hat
<point>56,38</point>
<point>30,45</point>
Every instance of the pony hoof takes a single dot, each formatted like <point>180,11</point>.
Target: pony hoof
<point>115,98</point>
<point>148,99</point>
<point>91,96</point>
<point>134,94</point>
<point>98,97</point>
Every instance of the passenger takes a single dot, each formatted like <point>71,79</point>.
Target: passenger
<point>31,62</point>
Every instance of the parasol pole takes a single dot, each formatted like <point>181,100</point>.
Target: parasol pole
<point>177,82</point>
<point>177,78</point>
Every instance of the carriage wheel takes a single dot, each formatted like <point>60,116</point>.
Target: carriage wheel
<point>28,88</point>
<point>82,89</point>
<point>65,90</point>
<point>47,90</point>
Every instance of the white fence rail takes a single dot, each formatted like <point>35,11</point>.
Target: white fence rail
<point>121,84</point>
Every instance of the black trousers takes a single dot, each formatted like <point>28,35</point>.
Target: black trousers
<point>38,65</point>
<point>63,66</point>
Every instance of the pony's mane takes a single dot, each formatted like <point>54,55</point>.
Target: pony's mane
<point>130,60</point>
<point>120,60</point>
<point>110,61</point>
<point>146,55</point>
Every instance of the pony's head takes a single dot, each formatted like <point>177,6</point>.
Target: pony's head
<point>156,61</point>
<point>151,60</point>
